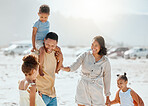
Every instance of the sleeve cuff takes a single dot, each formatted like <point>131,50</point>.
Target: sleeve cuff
<point>108,94</point>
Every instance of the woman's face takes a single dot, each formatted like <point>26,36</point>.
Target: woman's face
<point>95,47</point>
<point>31,76</point>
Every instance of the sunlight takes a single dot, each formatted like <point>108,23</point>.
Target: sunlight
<point>103,10</point>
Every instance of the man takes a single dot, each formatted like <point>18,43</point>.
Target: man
<point>48,61</point>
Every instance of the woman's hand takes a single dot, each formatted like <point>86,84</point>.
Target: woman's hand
<point>67,69</point>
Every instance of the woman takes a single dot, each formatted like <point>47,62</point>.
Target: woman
<point>96,75</point>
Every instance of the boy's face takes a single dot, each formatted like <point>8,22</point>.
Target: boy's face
<point>43,17</point>
<point>121,83</point>
<point>50,45</point>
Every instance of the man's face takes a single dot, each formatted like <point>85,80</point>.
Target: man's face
<point>50,45</point>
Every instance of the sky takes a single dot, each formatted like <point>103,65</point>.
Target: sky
<point>123,22</point>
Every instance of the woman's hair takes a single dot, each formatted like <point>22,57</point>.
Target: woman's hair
<point>100,40</point>
<point>29,62</point>
<point>123,77</point>
<point>44,9</point>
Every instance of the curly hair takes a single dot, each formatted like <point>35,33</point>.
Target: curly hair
<point>29,62</point>
<point>44,9</point>
<point>100,40</point>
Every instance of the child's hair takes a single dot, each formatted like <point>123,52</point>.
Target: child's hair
<point>123,77</point>
<point>29,62</point>
<point>101,41</point>
<point>44,9</point>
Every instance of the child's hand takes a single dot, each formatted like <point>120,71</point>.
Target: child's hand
<point>57,49</point>
<point>33,49</point>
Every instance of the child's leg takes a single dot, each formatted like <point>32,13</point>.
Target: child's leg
<point>40,53</point>
<point>38,44</point>
<point>59,58</point>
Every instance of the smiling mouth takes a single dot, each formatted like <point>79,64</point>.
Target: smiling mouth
<point>48,50</point>
<point>94,50</point>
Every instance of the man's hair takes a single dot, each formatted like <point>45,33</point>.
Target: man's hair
<point>52,35</point>
<point>44,9</point>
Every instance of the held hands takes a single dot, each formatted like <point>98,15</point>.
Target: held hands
<point>67,69</point>
<point>107,101</point>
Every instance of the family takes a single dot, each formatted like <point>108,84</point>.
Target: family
<point>39,68</point>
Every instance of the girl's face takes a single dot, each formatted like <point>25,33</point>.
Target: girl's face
<point>95,47</point>
<point>43,17</point>
<point>31,76</point>
<point>121,84</point>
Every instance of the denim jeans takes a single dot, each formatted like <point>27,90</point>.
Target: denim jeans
<point>49,101</point>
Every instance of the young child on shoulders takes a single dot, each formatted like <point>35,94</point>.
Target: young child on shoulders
<point>125,95</point>
<point>40,30</point>
<point>27,87</point>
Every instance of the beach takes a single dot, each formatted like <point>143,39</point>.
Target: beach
<point>66,83</point>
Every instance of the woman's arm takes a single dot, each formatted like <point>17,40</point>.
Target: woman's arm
<point>32,95</point>
<point>107,78</point>
<point>77,63</point>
